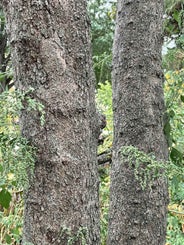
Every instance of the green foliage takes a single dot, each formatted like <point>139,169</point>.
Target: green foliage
<point>17,159</point>
<point>5,65</point>
<point>174,19</point>
<point>147,168</point>
<point>32,104</point>
<point>17,156</point>
<point>180,41</point>
<point>102,14</point>
<point>104,204</point>
<point>174,33</point>
<point>174,59</point>
<point>72,238</point>
<point>104,104</point>
<point>169,3</point>
<point>5,198</point>
<point>174,92</point>
<point>11,220</point>
<point>174,232</point>
<point>173,63</point>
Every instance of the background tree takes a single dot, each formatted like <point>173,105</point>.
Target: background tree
<point>102,15</point>
<point>137,216</point>
<point>50,48</point>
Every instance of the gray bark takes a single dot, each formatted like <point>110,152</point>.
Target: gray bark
<point>50,46</point>
<point>137,216</point>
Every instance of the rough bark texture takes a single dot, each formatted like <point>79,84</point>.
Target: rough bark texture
<point>137,217</point>
<point>51,54</point>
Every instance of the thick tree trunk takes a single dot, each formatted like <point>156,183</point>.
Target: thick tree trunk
<point>137,216</point>
<point>51,53</point>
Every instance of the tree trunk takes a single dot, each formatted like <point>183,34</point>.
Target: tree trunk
<point>50,46</point>
<point>137,216</point>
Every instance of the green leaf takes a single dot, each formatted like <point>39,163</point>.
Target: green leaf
<point>182,98</point>
<point>176,16</point>
<point>2,77</point>
<point>5,198</point>
<point>176,156</point>
<point>2,182</point>
<point>171,113</point>
<point>167,129</point>
<point>8,239</point>
<point>15,231</point>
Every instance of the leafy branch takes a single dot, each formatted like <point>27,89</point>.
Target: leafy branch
<point>146,166</point>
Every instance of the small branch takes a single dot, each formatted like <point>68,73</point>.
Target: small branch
<point>105,157</point>
<point>7,59</point>
<point>176,212</point>
<point>9,82</point>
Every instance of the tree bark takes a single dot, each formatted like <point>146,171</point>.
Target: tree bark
<point>137,216</point>
<point>50,47</point>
